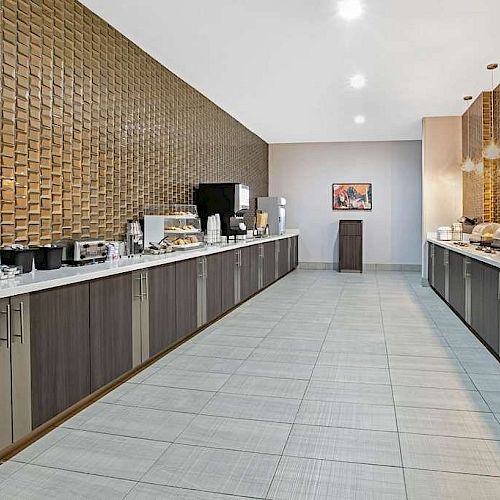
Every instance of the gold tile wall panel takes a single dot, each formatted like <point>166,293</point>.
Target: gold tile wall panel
<point>473,182</point>
<point>93,129</point>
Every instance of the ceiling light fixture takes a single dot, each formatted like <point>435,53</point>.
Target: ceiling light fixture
<point>492,149</point>
<point>359,120</point>
<point>350,9</point>
<point>357,81</point>
<point>468,164</point>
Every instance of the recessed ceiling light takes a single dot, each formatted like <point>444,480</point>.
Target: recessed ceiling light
<point>359,120</point>
<point>357,81</point>
<point>350,9</point>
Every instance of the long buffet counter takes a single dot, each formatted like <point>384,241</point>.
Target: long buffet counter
<point>69,335</point>
<point>41,280</point>
<point>468,279</point>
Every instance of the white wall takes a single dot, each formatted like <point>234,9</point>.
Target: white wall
<point>304,174</point>
<point>441,175</point>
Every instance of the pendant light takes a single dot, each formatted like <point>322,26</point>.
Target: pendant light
<point>468,165</point>
<point>492,149</point>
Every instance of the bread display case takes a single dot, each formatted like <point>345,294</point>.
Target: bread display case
<point>177,225</point>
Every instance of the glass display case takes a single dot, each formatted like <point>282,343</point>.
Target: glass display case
<point>177,225</point>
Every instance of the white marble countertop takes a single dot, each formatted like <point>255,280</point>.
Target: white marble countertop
<point>41,280</point>
<point>469,251</point>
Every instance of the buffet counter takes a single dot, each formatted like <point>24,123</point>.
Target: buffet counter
<point>41,280</point>
<point>468,280</point>
<point>69,335</point>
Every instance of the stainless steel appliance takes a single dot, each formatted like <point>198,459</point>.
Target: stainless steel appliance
<point>134,238</point>
<point>230,200</point>
<point>84,251</point>
<point>275,208</point>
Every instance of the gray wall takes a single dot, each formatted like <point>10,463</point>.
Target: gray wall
<point>304,173</point>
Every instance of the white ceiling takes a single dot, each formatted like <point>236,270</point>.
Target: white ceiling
<point>281,67</point>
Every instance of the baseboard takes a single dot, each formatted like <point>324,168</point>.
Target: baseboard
<point>328,266</point>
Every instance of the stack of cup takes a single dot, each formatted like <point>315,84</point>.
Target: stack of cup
<point>213,229</point>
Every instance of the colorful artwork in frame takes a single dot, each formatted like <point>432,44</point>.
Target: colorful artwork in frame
<point>352,196</point>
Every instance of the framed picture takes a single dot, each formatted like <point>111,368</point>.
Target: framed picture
<point>352,196</point>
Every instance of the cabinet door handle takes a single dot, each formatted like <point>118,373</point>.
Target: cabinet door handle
<point>21,322</point>
<point>146,285</point>
<point>8,339</point>
<point>139,279</point>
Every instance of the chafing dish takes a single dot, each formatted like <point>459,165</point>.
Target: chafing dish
<point>483,233</point>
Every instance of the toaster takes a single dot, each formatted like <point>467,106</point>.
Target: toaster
<point>84,251</point>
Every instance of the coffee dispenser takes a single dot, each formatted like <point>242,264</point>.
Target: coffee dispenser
<point>230,200</point>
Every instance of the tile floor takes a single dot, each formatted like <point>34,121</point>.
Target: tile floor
<point>324,386</point>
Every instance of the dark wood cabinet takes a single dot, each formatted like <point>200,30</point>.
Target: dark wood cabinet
<point>430,263</point>
<point>60,350</point>
<point>249,271</point>
<point>283,256</point>
<point>228,269</point>
<point>110,328</point>
<point>162,304</point>
<point>294,257</point>
<point>457,283</point>
<point>269,263</point>
<point>214,286</point>
<point>186,280</point>
<point>350,245</point>
<point>485,303</point>
<point>439,270</point>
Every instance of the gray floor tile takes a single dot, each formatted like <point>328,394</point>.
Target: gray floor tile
<point>486,382</point>
<point>219,351</point>
<point>252,407</point>
<point>208,469</point>
<point>165,398</point>
<point>146,423</point>
<point>322,390</point>
<point>182,379</point>
<point>346,445</point>
<point>229,340</point>
<point>41,445</point>
<point>265,386</point>
<point>33,483</point>
<point>353,346</point>
<point>305,479</point>
<point>205,364</point>
<point>492,398</point>
<point>243,331</point>
<point>8,468</point>
<point>446,399</point>
<point>450,454</point>
<point>426,485</point>
<point>284,356</point>
<point>280,370</point>
<point>351,374</point>
<point>116,394</point>
<point>102,454</point>
<point>439,380</point>
<point>448,423</point>
<point>425,363</point>
<point>340,414</point>
<point>286,344</point>
<point>419,350</point>
<point>236,434</point>
<point>353,359</point>
<point>143,491</point>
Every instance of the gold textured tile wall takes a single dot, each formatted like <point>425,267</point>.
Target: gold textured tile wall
<point>93,129</point>
<point>473,182</point>
<point>481,191</point>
